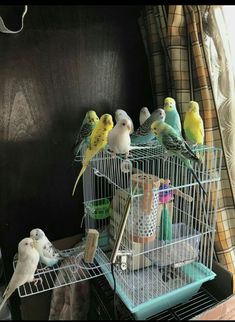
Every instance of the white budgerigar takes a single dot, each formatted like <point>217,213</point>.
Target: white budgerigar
<point>49,255</point>
<point>119,137</point>
<point>121,114</point>
<point>28,258</point>
<point>144,115</point>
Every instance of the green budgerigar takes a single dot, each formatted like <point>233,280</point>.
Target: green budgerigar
<point>172,115</point>
<point>88,125</point>
<point>176,145</point>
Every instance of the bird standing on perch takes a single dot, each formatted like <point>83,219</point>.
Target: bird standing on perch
<point>49,255</point>
<point>121,114</point>
<point>28,258</point>
<point>172,115</point>
<point>119,137</point>
<point>143,134</point>
<point>144,115</point>
<point>193,124</point>
<point>88,124</point>
<point>176,145</point>
<point>97,142</point>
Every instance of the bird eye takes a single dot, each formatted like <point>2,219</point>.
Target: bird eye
<point>154,128</point>
<point>123,124</point>
<point>26,243</point>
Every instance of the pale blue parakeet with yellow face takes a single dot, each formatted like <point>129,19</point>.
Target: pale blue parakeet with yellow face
<point>172,115</point>
<point>176,145</point>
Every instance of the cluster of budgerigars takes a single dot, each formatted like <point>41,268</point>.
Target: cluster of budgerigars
<point>32,250</point>
<point>97,134</point>
<point>162,124</point>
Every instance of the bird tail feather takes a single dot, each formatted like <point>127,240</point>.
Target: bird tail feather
<point>3,303</point>
<point>77,148</point>
<point>78,178</point>
<point>197,179</point>
<point>189,153</point>
<point>5,297</point>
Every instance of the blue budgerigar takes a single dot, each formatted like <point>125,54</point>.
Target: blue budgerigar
<point>172,115</point>
<point>176,145</point>
<point>88,124</point>
<point>143,134</point>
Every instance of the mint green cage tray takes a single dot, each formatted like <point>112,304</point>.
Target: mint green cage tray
<point>134,292</point>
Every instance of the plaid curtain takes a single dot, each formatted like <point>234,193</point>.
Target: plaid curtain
<point>174,41</point>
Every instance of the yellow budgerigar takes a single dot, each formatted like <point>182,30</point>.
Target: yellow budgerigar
<point>193,124</point>
<point>97,142</point>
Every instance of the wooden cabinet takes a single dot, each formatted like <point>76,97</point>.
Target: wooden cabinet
<point>66,60</point>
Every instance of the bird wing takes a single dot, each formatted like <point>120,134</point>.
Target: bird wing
<point>49,251</point>
<point>176,144</point>
<point>188,152</point>
<point>172,142</point>
<point>201,127</point>
<point>85,131</point>
<point>178,124</point>
<point>144,129</point>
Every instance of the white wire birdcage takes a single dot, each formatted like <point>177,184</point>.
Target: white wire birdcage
<point>155,225</point>
<point>166,249</point>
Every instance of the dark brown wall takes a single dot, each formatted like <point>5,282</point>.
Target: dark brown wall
<point>67,60</point>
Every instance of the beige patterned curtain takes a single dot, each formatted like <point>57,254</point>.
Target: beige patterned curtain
<point>180,66</point>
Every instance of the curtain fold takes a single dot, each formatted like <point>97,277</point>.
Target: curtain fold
<point>180,67</point>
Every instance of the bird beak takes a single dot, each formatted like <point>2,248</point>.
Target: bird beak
<point>32,245</point>
<point>167,106</point>
<point>129,127</point>
<point>107,121</point>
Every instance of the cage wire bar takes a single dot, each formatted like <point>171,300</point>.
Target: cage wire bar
<point>166,250</point>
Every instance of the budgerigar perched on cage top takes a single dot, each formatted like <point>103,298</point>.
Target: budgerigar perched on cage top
<point>97,142</point>
<point>144,115</point>
<point>119,137</point>
<point>172,115</point>
<point>176,145</point>
<point>143,134</point>
<point>88,124</point>
<point>120,115</point>
<point>193,124</point>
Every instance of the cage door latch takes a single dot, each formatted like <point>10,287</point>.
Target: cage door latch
<point>122,259</point>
